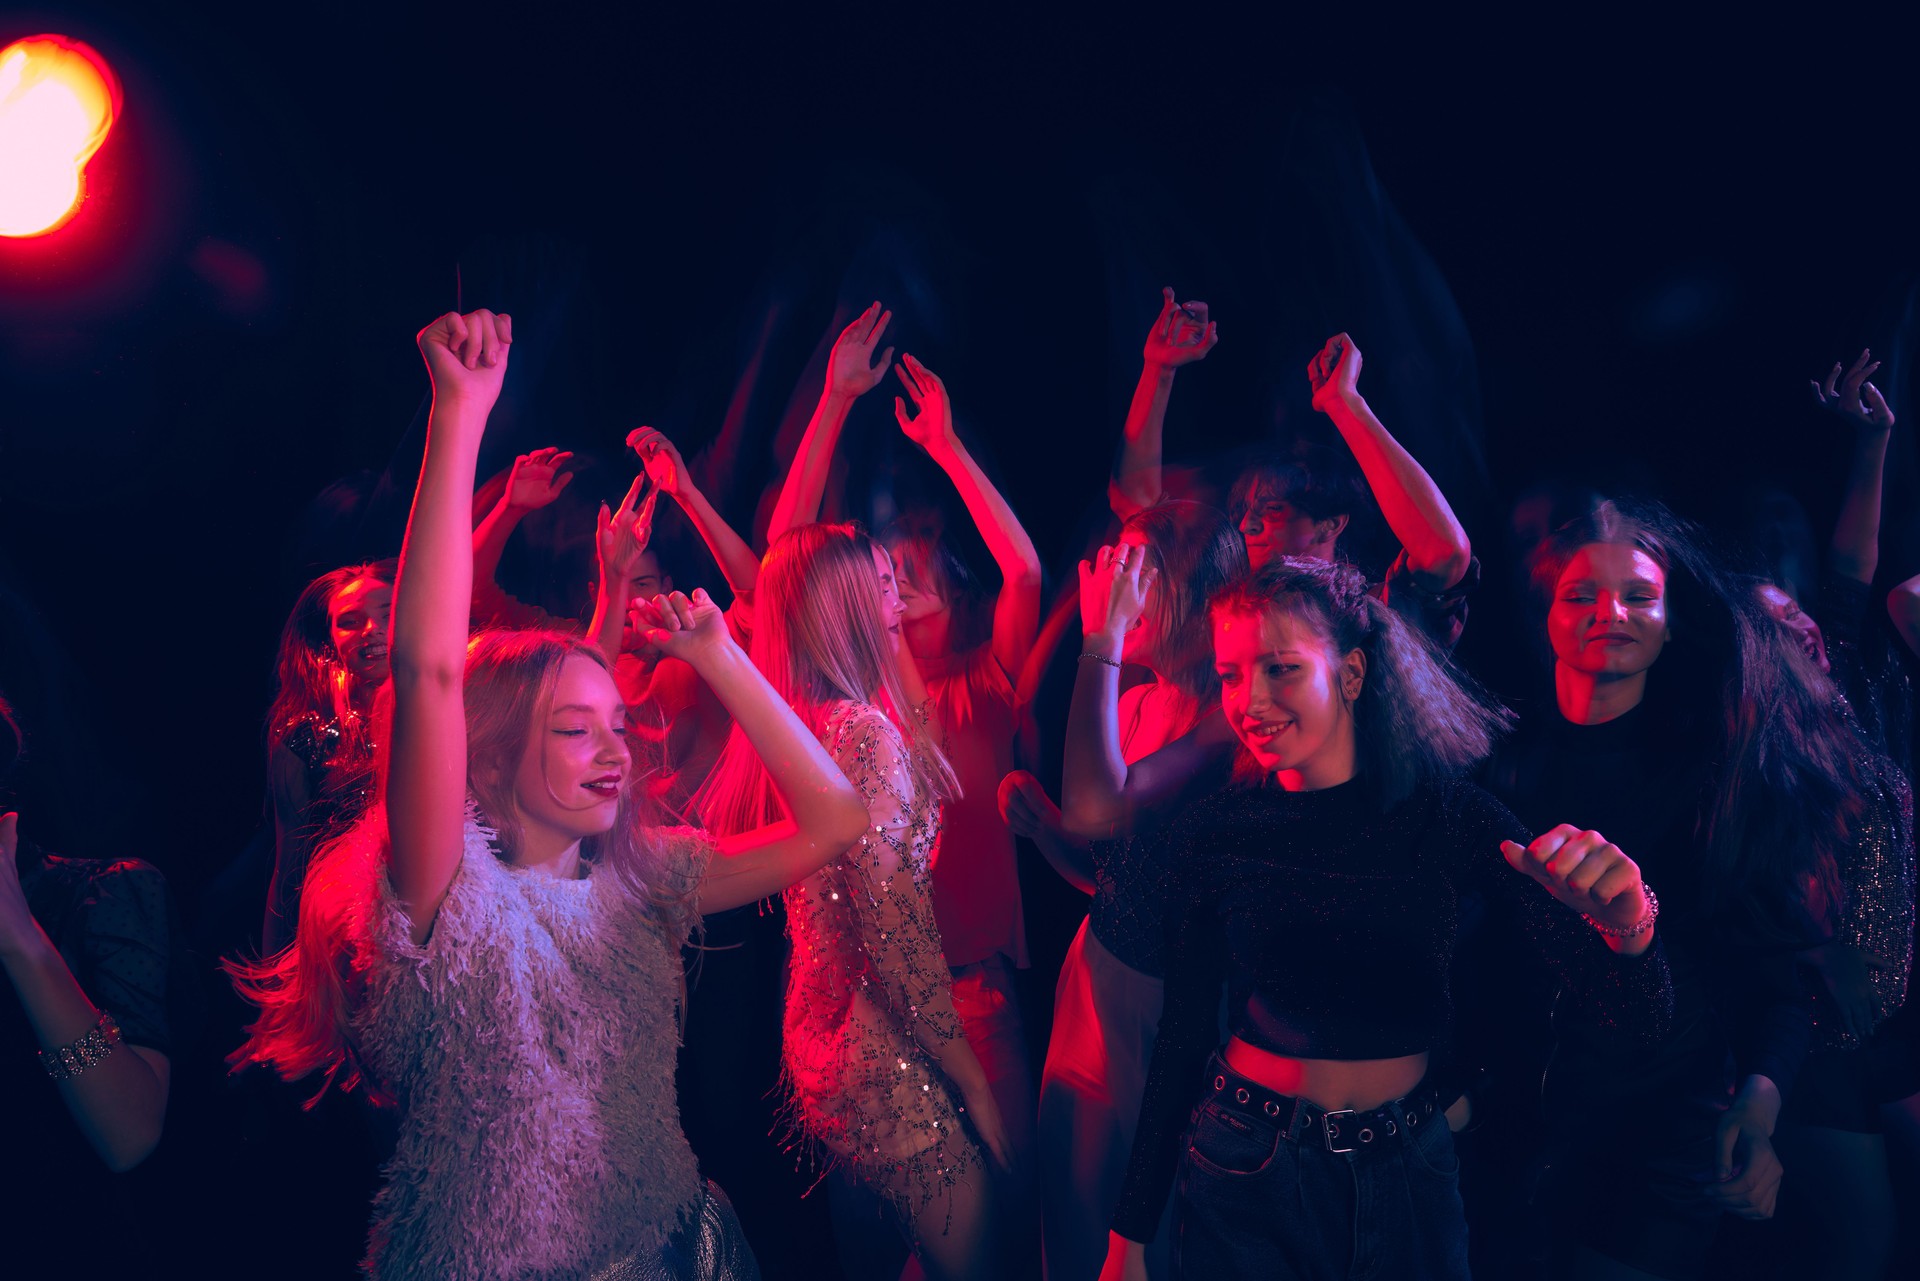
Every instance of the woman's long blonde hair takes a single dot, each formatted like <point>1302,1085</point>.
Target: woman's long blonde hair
<point>819,638</point>
<point>306,991</point>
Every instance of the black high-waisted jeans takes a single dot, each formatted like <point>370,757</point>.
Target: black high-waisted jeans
<point>1253,1203</point>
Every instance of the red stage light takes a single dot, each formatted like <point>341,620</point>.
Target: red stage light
<point>58,99</point>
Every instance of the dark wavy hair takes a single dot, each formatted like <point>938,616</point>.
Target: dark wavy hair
<point>920,550</point>
<point>1783,805</point>
<point>1315,479</point>
<point>1198,551</point>
<point>1416,719</point>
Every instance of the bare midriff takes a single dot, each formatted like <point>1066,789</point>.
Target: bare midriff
<point>1360,1084</point>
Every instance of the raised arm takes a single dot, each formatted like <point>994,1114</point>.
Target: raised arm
<point>1181,334</point>
<point>621,539</point>
<point>426,791</point>
<point>1093,775</point>
<point>826,813</point>
<point>738,565</point>
<point>1016,614</point>
<point>535,481</point>
<point>1855,550</point>
<point>851,373</point>
<point>1438,552</point>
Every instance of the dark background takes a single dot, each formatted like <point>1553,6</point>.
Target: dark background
<point>1653,233</point>
<point>1610,249</point>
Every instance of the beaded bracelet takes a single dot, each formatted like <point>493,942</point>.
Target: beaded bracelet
<point>1102,658</point>
<point>1640,926</point>
<point>89,1051</point>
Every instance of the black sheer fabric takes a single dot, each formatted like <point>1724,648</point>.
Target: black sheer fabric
<point>1338,922</point>
<point>113,925</point>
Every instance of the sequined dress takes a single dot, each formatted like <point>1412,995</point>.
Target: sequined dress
<point>869,1005</point>
<point>1877,915</point>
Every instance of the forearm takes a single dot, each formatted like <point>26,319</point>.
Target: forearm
<point>1068,856</point>
<point>806,482</point>
<point>609,623</point>
<point>1139,480</point>
<point>1856,533</point>
<point>1437,548</point>
<point>738,565</point>
<point>961,1065</point>
<point>119,1103</point>
<point>1093,776</point>
<point>435,581</point>
<point>1016,615</point>
<point>1759,1098</point>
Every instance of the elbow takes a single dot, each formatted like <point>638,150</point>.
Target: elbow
<point>1903,606</point>
<point>122,1152</point>
<point>845,819</point>
<point>437,672</point>
<point>1089,822</point>
<point>1442,565</point>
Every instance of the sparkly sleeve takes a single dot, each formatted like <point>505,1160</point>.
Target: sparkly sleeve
<point>888,880</point>
<point>1633,995</point>
<point>1866,665</point>
<point>1878,913</point>
<point>125,947</point>
<point>1189,1032</point>
<point>1441,616</point>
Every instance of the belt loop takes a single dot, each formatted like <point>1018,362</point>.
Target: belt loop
<point>1300,1121</point>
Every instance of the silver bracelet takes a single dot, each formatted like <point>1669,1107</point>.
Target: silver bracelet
<point>89,1051</point>
<point>1102,658</point>
<point>1640,926</point>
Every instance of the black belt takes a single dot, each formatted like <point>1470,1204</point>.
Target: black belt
<point>1339,1129</point>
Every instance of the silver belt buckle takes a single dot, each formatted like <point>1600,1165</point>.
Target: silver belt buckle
<point>1328,1130</point>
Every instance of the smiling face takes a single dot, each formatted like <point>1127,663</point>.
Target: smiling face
<point>1806,633</point>
<point>1273,526</point>
<point>1608,619</point>
<point>575,765</point>
<point>1287,696</point>
<point>357,617</point>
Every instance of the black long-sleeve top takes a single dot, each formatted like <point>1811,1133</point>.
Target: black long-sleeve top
<point>1336,922</point>
<point>1641,780</point>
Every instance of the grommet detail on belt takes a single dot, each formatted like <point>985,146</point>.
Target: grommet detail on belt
<point>1366,1136</point>
<point>1241,1096</point>
<point>1413,1118</point>
<point>1219,1082</point>
<point>1272,1108</point>
<point>1392,1129</point>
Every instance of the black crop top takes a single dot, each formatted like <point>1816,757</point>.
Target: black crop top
<point>1336,923</point>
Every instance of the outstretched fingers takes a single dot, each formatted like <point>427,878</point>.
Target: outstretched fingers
<point>632,499</point>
